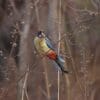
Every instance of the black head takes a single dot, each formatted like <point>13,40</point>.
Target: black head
<point>40,34</point>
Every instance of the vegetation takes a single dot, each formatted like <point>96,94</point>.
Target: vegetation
<point>73,26</point>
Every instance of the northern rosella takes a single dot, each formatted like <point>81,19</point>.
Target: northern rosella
<point>44,47</point>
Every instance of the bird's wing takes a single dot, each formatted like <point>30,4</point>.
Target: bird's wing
<point>49,43</point>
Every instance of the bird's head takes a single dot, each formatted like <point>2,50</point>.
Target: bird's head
<point>40,34</point>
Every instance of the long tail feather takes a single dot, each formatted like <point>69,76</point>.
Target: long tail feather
<point>60,63</point>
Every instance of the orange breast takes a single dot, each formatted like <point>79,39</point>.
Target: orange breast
<point>52,55</point>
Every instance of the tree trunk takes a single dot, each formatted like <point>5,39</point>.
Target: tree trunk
<point>24,55</point>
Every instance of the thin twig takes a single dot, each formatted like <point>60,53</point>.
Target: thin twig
<point>59,44</point>
<point>37,13</point>
<point>80,10</point>
<point>26,94</point>
<point>25,84</point>
<point>44,93</point>
<point>58,75</point>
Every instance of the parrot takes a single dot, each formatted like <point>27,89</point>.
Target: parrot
<point>44,46</point>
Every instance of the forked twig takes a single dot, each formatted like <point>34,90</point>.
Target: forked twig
<point>25,85</point>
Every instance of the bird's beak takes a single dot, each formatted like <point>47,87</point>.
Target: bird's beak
<point>43,34</point>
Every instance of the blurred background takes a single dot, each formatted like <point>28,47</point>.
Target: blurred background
<point>73,26</point>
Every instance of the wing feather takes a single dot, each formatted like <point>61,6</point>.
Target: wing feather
<point>49,44</point>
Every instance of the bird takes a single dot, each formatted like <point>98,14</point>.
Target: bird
<point>44,46</point>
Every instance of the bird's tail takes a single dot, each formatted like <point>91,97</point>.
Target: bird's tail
<point>60,63</point>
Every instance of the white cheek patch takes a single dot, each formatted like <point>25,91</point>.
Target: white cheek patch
<point>40,36</point>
